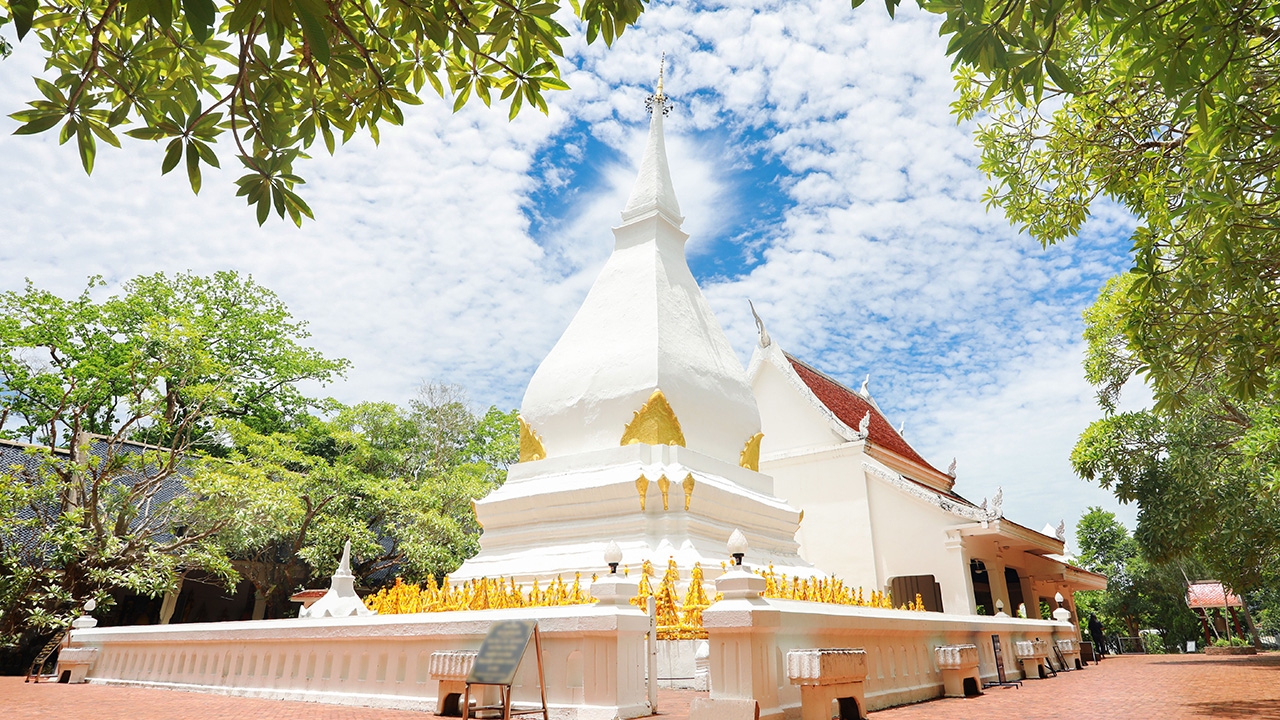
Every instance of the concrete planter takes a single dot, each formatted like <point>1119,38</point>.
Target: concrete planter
<point>1231,651</point>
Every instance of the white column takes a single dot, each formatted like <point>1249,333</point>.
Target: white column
<point>742,630</point>
<point>999,589</point>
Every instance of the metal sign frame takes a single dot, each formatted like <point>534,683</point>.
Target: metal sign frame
<point>504,688</point>
<point>1002,680</point>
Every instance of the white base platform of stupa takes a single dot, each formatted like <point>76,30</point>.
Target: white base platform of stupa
<point>554,517</point>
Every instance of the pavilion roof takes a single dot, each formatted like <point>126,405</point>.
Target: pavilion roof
<point>1211,594</point>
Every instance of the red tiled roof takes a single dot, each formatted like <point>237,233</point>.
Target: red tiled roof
<point>851,407</point>
<point>1210,595</point>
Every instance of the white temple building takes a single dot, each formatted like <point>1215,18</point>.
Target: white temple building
<point>642,427</point>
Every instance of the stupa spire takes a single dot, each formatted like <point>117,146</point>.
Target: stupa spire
<point>653,191</point>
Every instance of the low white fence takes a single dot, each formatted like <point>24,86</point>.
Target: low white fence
<point>750,638</point>
<point>593,658</point>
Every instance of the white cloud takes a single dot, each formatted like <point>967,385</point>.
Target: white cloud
<point>421,265</point>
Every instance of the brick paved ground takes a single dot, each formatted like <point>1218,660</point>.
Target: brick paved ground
<point>1134,687</point>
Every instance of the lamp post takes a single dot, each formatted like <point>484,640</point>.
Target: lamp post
<point>612,557</point>
<point>737,546</point>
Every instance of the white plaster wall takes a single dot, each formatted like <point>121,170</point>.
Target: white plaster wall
<point>788,420</point>
<point>910,537</point>
<point>555,516</point>
<point>836,533</point>
<point>594,658</point>
<point>749,640</point>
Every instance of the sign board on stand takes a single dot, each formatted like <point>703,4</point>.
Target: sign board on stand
<point>496,664</point>
<point>1002,680</point>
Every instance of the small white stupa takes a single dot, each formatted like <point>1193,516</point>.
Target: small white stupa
<point>341,600</point>
<point>640,424</point>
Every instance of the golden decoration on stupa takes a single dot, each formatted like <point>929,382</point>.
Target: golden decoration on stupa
<point>750,458</point>
<point>642,484</point>
<point>664,486</point>
<point>530,444</point>
<point>676,620</point>
<point>655,423</point>
<point>479,594</point>
<point>688,490</point>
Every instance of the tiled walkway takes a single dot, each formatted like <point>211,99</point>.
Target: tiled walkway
<point>1131,687</point>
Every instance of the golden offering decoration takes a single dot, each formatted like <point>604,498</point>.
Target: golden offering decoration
<point>664,485</point>
<point>530,444</point>
<point>642,484</point>
<point>688,490</point>
<point>750,458</point>
<point>655,423</point>
<point>677,620</point>
<point>479,594</point>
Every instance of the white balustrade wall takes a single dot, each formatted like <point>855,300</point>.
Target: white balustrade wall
<point>750,639</point>
<point>593,658</point>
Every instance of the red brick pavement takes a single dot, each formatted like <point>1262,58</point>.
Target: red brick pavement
<point>1131,687</point>
<point>1158,687</point>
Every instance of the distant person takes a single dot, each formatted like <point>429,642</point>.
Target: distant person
<point>1099,640</point>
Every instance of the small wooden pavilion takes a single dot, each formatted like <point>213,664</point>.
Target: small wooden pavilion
<point>1207,595</point>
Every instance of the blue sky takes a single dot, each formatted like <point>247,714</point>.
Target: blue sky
<point>820,173</point>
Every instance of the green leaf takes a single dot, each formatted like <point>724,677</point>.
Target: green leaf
<point>39,125</point>
<point>1060,78</point>
<point>88,147</point>
<point>311,14</point>
<point>200,17</point>
<point>147,133</point>
<point>24,12</point>
<point>193,167</point>
<point>172,155</point>
<point>162,12</point>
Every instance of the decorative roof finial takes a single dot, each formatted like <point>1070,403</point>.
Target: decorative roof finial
<point>865,390</point>
<point>864,425</point>
<point>902,428</point>
<point>765,340</point>
<point>1061,532</point>
<point>658,100</point>
<point>951,469</point>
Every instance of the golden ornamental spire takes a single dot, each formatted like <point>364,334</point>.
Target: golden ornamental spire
<point>655,423</point>
<point>750,457</point>
<point>530,444</point>
<point>664,486</point>
<point>642,485</point>
<point>659,100</point>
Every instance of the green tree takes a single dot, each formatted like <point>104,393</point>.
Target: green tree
<point>1170,108</point>
<point>1206,477</point>
<point>277,75</point>
<point>169,361</point>
<point>398,483</point>
<point>1140,594</point>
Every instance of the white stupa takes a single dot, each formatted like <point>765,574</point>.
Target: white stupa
<point>640,425</point>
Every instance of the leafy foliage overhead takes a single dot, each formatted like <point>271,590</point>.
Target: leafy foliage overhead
<point>277,74</point>
<point>1206,478</point>
<point>1171,108</point>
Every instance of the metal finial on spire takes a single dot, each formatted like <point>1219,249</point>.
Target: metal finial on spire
<point>659,99</point>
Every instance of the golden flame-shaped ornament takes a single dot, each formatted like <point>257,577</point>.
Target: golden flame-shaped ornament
<point>750,458</point>
<point>530,444</point>
<point>688,490</point>
<point>642,484</point>
<point>654,423</point>
<point>664,485</point>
